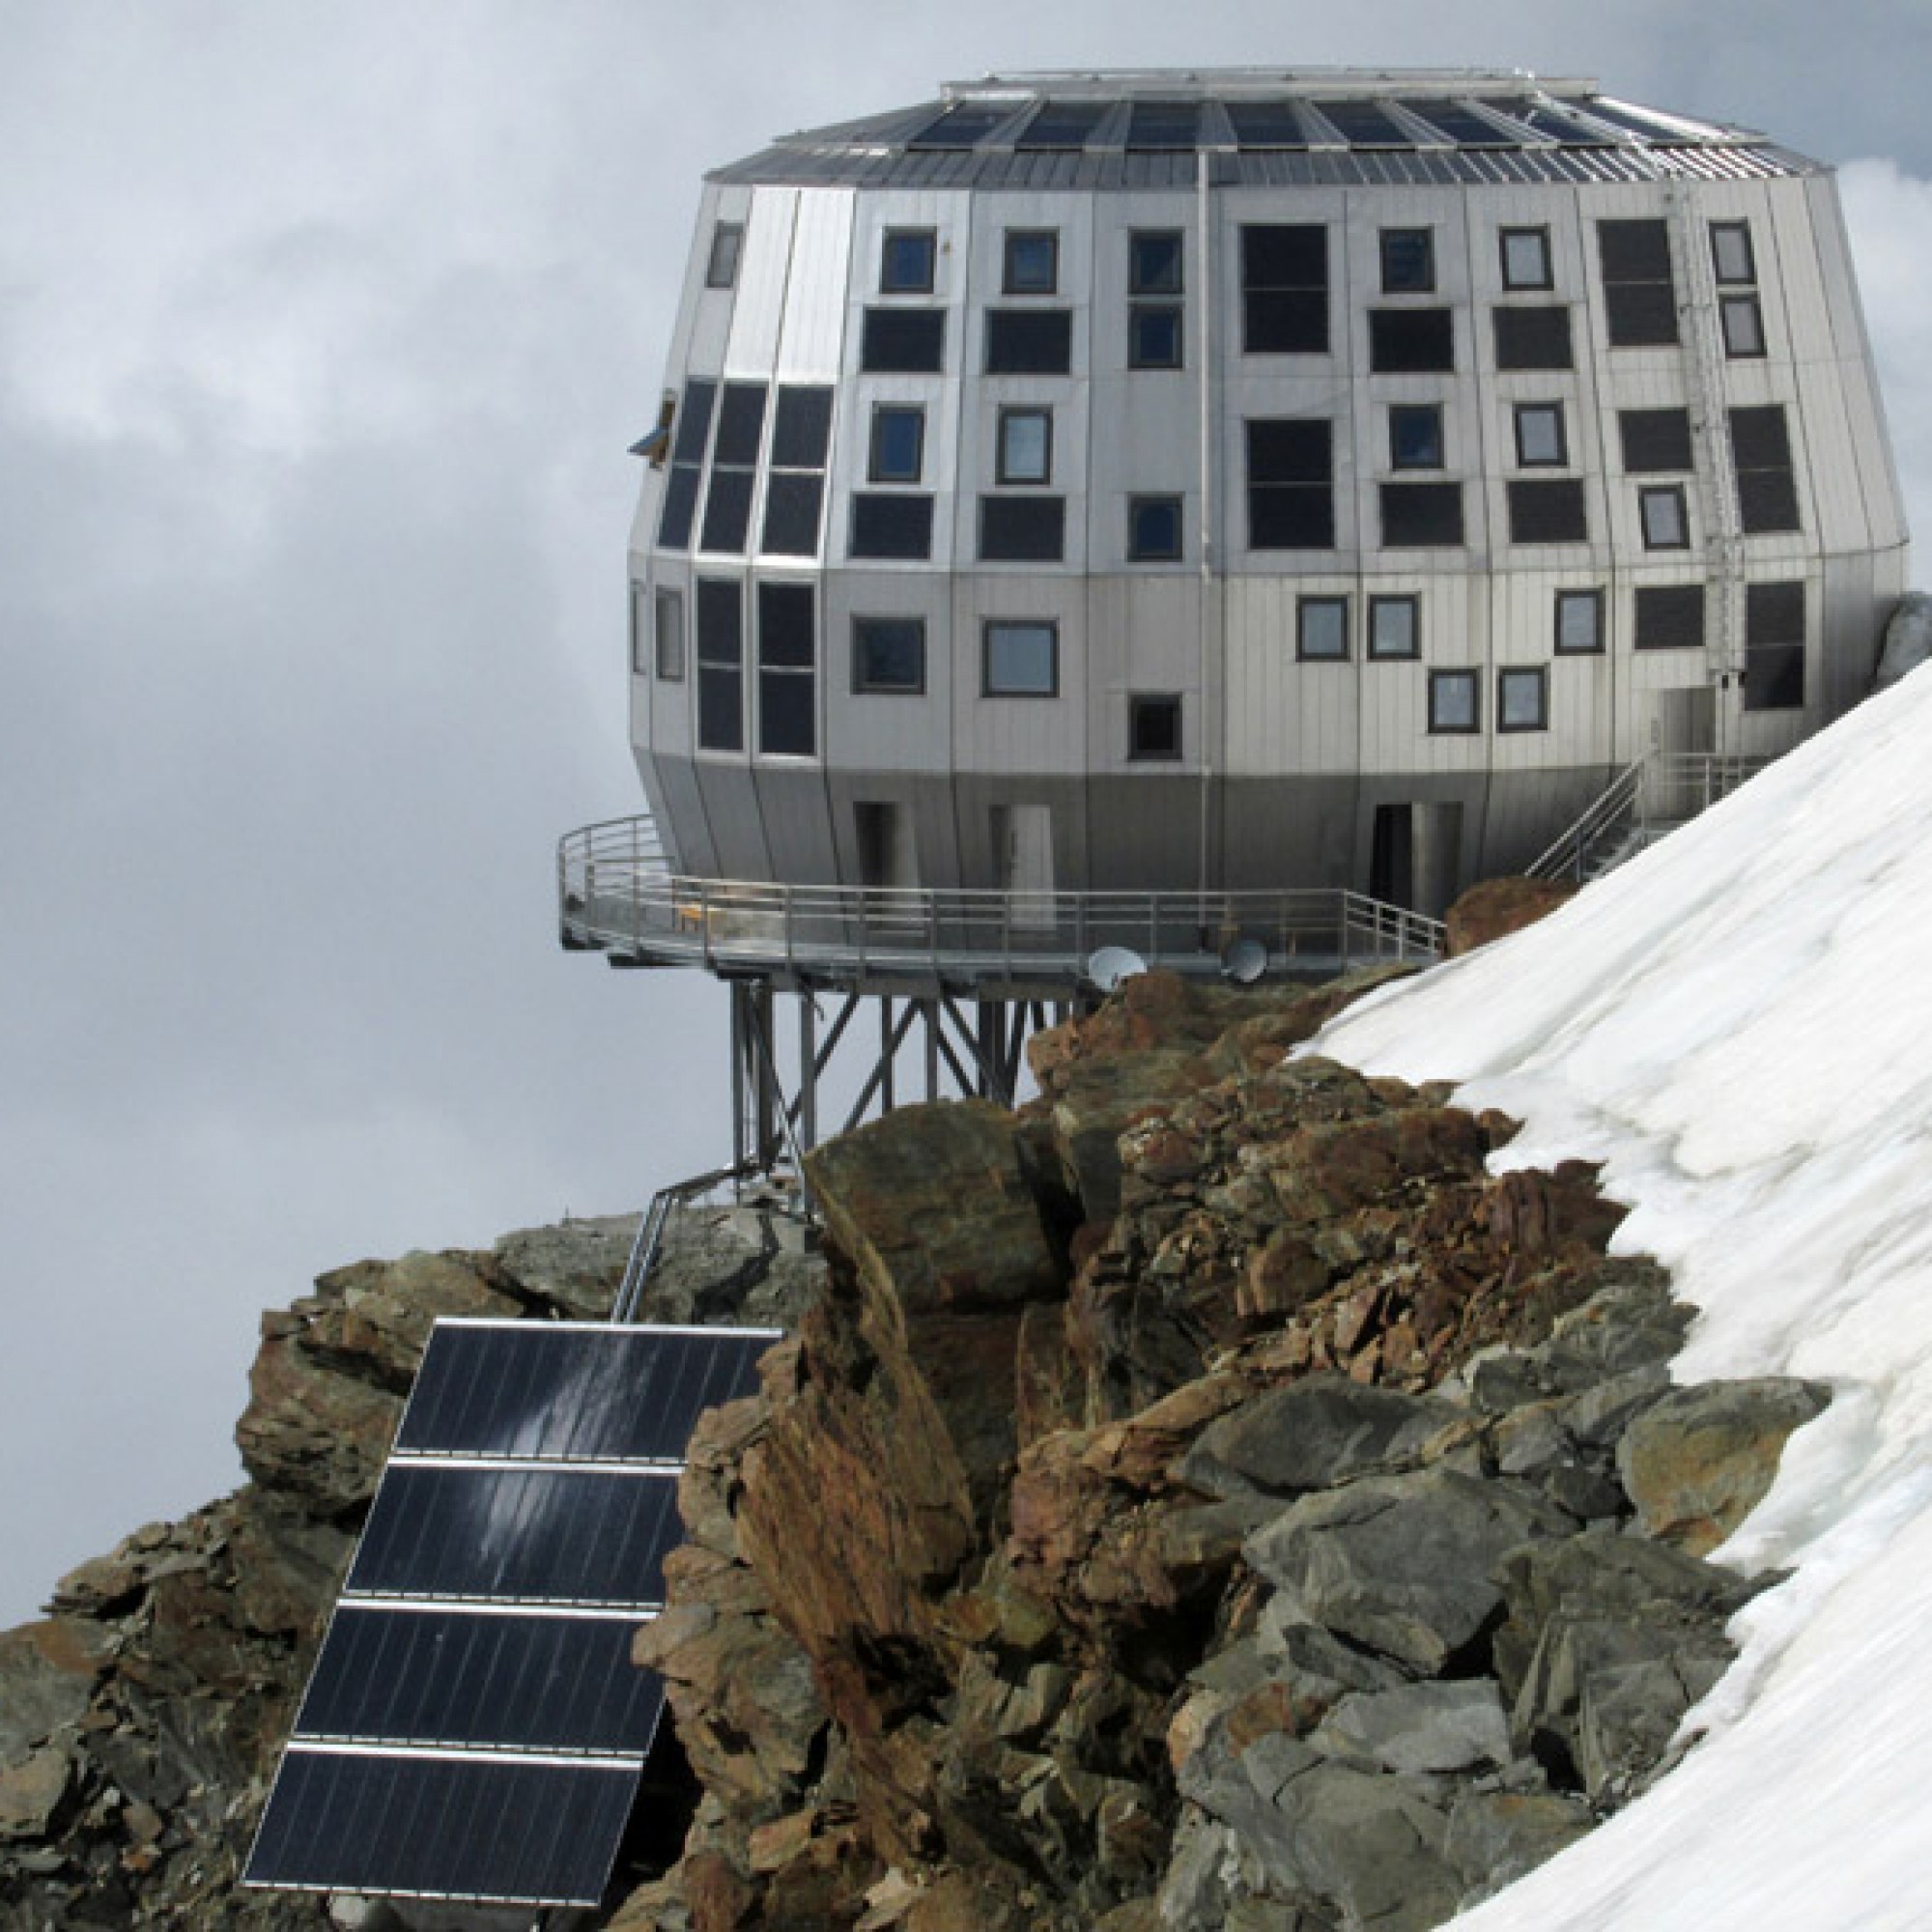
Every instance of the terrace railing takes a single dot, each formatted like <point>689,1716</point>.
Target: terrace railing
<point>1645,800</point>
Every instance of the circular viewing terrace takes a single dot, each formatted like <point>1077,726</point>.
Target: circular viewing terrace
<point>617,893</point>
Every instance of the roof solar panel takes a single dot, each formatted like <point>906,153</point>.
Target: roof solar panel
<point>961,126</point>
<point>474,1728</point>
<point>1548,121</point>
<point>1062,124</point>
<point>1363,125</point>
<point>1163,126</point>
<point>1459,123</point>
<point>1267,124</point>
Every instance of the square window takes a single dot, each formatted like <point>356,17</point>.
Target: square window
<point>1022,658</point>
<point>1540,441</point>
<point>1744,326</point>
<point>903,341</point>
<point>1420,514</point>
<point>1321,629</point>
<point>1409,260</point>
<point>1154,725</point>
<point>1666,525</point>
<point>1655,439</point>
<point>897,524</point>
<point>1580,622</point>
<point>1532,338</point>
<point>1546,511</point>
<point>889,655</point>
<point>1731,251</point>
<point>1026,446</point>
<point>1154,262</point>
<point>1029,341</point>
<point>1453,700</point>
<point>1525,253</point>
<point>1412,341</point>
<point>1154,529</point>
<point>1153,335</point>
<point>1032,262</point>
<point>1522,701</point>
<point>898,442</point>
<point>1669,617</point>
<point>1394,627</point>
<point>1415,436</point>
<point>1775,677</point>
<point>1022,529</point>
<point>728,244</point>
<point>906,256</point>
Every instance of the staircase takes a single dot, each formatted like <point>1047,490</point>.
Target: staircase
<point>1645,802</point>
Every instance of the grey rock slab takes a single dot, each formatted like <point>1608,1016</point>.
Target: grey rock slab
<point>1420,1727</point>
<point>1495,1836</point>
<point>1601,1413</point>
<point>1367,1844</point>
<point>1402,1564</point>
<point>1310,1435</point>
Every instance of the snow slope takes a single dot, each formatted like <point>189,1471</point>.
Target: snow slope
<point>1738,1026</point>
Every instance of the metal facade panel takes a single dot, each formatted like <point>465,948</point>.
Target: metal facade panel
<point>811,344</point>
<point>797,813</point>
<point>764,267</point>
<point>1028,737</point>
<point>887,731</point>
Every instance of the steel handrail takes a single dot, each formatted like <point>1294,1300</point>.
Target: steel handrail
<point>652,1226</point>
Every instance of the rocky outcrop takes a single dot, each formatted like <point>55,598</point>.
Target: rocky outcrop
<point>1494,908</point>
<point>141,1720</point>
<point>1254,1529</point>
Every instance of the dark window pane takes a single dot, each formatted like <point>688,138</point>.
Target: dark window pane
<point>1285,257</point>
<point>785,626</point>
<point>1421,514</point>
<point>720,709</point>
<point>801,429</point>
<point>1288,321</point>
<point>694,422</point>
<point>1289,449</point>
<point>727,510</point>
<point>792,504</point>
<point>741,424</point>
<point>891,526</point>
<point>1153,335</point>
<point>1655,439</point>
<point>1411,340</point>
<point>903,341</point>
<point>720,653</point>
<point>1669,616</point>
<point>787,703</point>
<point>1767,501</point>
<point>1641,315</point>
<point>1415,436</point>
<point>1774,613</point>
<point>1409,260</point>
<point>1155,127</point>
<point>1453,701</point>
<point>680,506</point>
<point>898,442</point>
<point>1032,261</point>
<point>1759,439</point>
<point>1154,262</point>
<point>1154,725</point>
<point>1028,341</point>
<point>1154,529</point>
<point>1464,128</point>
<point>1290,516</point>
<point>1775,677</point>
<point>1635,252</point>
<point>905,261</point>
<point>1532,338</point>
<point>889,654</point>
<point>1547,512</point>
<point>1022,529</point>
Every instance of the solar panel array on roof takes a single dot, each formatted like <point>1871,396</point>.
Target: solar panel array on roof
<point>474,1729</point>
<point>1062,124</point>
<point>1267,124</point>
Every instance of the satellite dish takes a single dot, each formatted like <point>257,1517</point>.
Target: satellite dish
<point>1109,965</point>
<point>1244,961</point>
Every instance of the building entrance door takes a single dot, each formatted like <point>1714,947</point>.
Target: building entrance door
<point>1023,849</point>
<point>1684,720</point>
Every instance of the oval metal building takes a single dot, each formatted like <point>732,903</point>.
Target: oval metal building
<point>1245,480</point>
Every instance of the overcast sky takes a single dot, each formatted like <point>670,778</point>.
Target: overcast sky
<point>322,333</point>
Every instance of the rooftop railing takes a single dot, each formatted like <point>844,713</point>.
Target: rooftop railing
<point>617,893</point>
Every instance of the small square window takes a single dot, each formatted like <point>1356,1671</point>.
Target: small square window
<point>898,442</point>
<point>1525,253</point>
<point>906,257</point>
<point>1153,335</point>
<point>1409,260</point>
<point>1412,341</point>
<point>728,244</point>
<point>1026,446</point>
<point>1731,251</point>
<point>1668,616</point>
<point>889,655</point>
<point>1453,701</point>
<point>1154,529</point>
<point>1321,629</point>
<point>1154,725</point>
<point>1580,622</point>
<point>1744,326</point>
<point>1394,627</point>
<point>1540,441</point>
<point>1415,436</point>
<point>1029,341</point>
<point>1522,701</point>
<point>1154,262</point>
<point>1666,525</point>
<point>1032,262</point>
<point>1029,529</point>
<point>1531,337</point>
<point>1022,658</point>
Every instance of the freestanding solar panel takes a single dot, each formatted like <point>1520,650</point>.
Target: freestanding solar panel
<point>474,1728</point>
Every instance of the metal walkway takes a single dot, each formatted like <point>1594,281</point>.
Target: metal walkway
<point>1643,803</point>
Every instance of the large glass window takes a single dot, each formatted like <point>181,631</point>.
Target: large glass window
<point>1412,341</point>
<point>1155,261</point>
<point>1022,658</point>
<point>890,524</point>
<point>1654,440</point>
<point>1532,338</point>
<point>1421,515</point>
<point>1522,701</point>
<point>1029,341</point>
<point>903,341</point>
<point>1640,296</point>
<point>721,665</point>
<point>689,442</point>
<point>795,488</point>
<point>1022,529</point>
<point>898,442</point>
<point>1775,646</point>
<point>1546,511</point>
<point>1454,701</point>
<point>1026,446</point>
<point>1669,617</point>
<point>1030,262</point>
<point>1525,258</point>
<point>889,655</point>
<point>1285,290</point>
<point>906,256</point>
<point>1761,455</point>
<point>1321,629</point>
<point>787,670</point>
<point>1291,483</point>
<point>728,503</point>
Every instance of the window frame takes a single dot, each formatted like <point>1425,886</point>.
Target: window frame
<point>1406,238</point>
<point>1139,284</point>
<point>1321,604</point>
<point>1458,678</point>
<point>1740,347</point>
<point>1433,411</point>
<point>1407,601</point>
<point>1594,599</point>
<point>1544,279</point>
<point>1654,499</point>
<point>1722,232</point>
<point>1010,415</point>
<point>1142,703</point>
<point>776,673</point>
<point>667,667</point>
<point>1523,412</point>
<point>725,256</point>
<point>988,626</point>
<point>1535,677</point>
<point>891,238</point>
<point>875,468</point>
<point>1013,242</point>
<point>863,687</point>
<point>1260,298</point>
<point>1137,552</point>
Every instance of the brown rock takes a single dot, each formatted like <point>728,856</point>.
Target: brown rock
<point>1495,908</point>
<point>31,1793</point>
